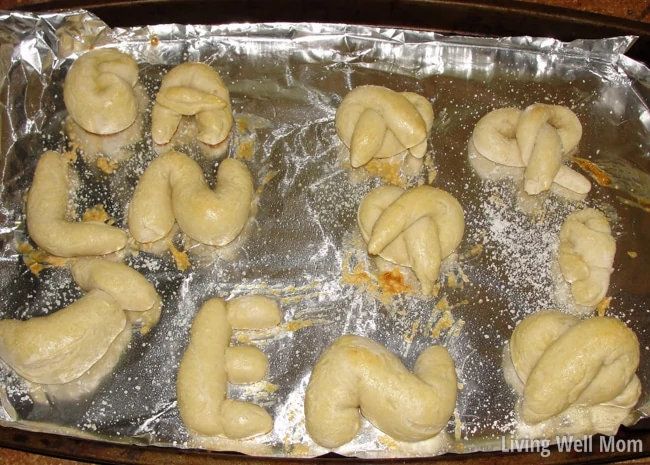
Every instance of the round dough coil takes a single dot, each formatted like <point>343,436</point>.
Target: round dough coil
<point>536,139</point>
<point>563,361</point>
<point>98,91</point>
<point>356,375</point>
<point>417,228</point>
<point>173,189</point>
<point>192,89</point>
<point>377,122</point>
<point>46,212</point>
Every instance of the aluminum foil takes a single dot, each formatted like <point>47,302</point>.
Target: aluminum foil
<point>303,247</point>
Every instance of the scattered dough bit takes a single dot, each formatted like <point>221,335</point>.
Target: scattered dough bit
<point>377,122</point>
<point>536,139</point>
<point>358,376</point>
<point>586,255</point>
<point>173,189</point>
<point>47,222</point>
<point>417,228</point>
<point>209,363</point>
<point>98,91</point>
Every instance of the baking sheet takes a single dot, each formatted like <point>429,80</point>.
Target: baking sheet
<point>286,81</point>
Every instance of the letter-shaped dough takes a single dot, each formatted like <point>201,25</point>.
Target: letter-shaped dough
<point>417,228</point>
<point>46,212</point>
<point>209,363</point>
<point>98,91</point>
<point>357,374</point>
<point>536,139</point>
<point>586,255</point>
<point>173,189</point>
<point>377,122</point>
<point>192,89</point>
<point>564,362</point>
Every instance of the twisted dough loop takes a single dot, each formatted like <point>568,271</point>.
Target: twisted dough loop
<point>417,228</point>
<point>46,212</point>
<point>586,255</point>
<point>209,363</point>
<point>536,139</point>
<point>192,89</point>
<point>376,122</point>
<point>98,91</point>
<point>173,189</point>
<point>357,374</point>
<point>564,361</point>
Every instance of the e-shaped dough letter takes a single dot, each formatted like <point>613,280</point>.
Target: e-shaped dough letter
<point>46,212</point>
<point>357,376</point>
<point>173,189</point>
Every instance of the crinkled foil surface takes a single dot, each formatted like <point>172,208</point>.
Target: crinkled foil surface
<point>303,247</point>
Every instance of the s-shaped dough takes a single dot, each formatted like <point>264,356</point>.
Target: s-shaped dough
<point>586,255</point>
<point>564,361</point>
<point>98,91</point>
<point>357,375</point>
<point>417,228</point>
<point>46,212</point>
<point>209,364</point>
<point>173,189</point>
<point>377,122</point>
<point>192,89</point>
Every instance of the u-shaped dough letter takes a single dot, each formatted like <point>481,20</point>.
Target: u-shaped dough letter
<point>46,212</point>
<point>356,375</point>
<point>173,189</point>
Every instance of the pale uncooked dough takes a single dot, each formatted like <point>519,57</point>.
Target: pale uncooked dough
<point>377,122</point>
<point>565,362</point>
<point>98,91</point>
<point>357,376</point>
<point>173,189</point>
<point>47,218</point>
<point>417,228</point>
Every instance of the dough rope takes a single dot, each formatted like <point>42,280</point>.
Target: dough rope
<point>564,362</point>
<point>377,122</point>
<point>192,89</point>
<point>98,91</point>
<point>586,255</point>
<point>173,189</point>
<point>537,139</point>
<point>357,376</point>
<point>209,363</point>
<point>47,221</point>
<point>417,228</point>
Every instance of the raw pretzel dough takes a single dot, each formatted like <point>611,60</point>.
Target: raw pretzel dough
<point>173,189</point>
<point>192,89</point>
<point>564,362</point>
<point>46,212</point>
<point>417,228</point>
<point>98,91</point>
<point>209,364</point>
<point>357,374</point>
<point>376,122</point>
<point>536,139</point>
<point>586,255</point>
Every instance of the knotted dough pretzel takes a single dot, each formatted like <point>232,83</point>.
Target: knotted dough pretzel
<point>356,375</point>
<point>192,89</point>
<point>586,255</point>
<point>98,91</point>
<point>417,228</point>
<point>564,362</point>
<point>377,122</point>
<point>61,347</point>
<point>209,364</point>
<point>47,219</point>
<point>537,139</point>
<point>173,189</point>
